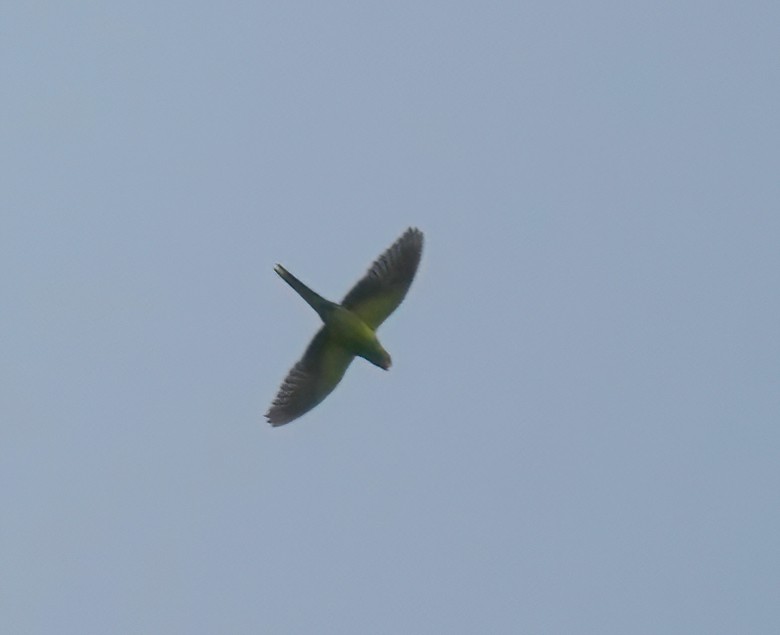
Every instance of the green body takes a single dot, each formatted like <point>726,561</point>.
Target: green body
<point>349,328</point>
<point>342,325</point>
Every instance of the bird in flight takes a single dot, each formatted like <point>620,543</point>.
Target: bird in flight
<point>349,328</point>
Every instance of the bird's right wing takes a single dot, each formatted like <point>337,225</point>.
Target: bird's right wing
<point>312,379</point>
<point>385,284</point>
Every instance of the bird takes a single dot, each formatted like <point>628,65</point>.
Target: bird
<point>349,328</point>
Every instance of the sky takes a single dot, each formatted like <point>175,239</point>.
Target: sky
<point>579,433</point>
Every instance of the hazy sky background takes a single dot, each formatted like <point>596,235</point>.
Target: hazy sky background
<point>581,429</point>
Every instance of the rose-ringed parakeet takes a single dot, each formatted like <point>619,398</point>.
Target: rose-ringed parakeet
<point>349,328</point>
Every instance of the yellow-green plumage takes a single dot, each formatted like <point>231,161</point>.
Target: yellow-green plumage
<point>349,328</point>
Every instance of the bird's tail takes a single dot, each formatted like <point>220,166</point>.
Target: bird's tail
<point>316,301</point>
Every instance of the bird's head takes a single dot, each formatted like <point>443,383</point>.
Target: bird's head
<point>379,357</point>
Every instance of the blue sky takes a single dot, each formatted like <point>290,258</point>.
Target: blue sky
<point>579,433</point>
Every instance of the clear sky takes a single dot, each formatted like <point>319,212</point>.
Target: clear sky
<point>580,432</point>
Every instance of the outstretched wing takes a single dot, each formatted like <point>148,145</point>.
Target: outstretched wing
<point>385,285</point>
<point>311,379</point>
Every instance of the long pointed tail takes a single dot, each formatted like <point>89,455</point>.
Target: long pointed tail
<point>315,301</point>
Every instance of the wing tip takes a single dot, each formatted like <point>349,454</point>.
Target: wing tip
<point>415,233</point>
<point>275,419</point>
<point>412,239</point>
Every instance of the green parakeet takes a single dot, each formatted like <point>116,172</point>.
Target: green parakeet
<point>349,328</point>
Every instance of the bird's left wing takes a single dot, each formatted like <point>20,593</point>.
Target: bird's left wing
<point>312,379</point>
<point>385,285</point>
